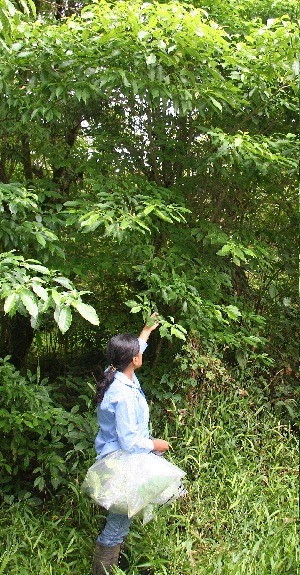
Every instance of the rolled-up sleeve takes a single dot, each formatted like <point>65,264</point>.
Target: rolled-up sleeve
<point>143,344</point>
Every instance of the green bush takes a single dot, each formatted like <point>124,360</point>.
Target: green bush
<point>42,442</point>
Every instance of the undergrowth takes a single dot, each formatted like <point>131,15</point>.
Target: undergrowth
<point>238,518</point>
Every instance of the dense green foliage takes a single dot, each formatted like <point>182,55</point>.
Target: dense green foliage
<point>41,440</point>
<point>239,516</point>
<point>161,144</point>
<point>148,159</point>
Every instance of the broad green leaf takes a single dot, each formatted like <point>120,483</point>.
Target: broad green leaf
<point>58,91</point>
<point>151,59</point>
<point>29,5</point>
<point>233,312</point>
<point>40,291</point>
<point>239,253</point>
<point>11,303</point>
<point>236,260</point>
<point>87,311</point>
<point>241,358</point>
<point>125,79</point>
<point>136,309</point>
<point>40,239</point>
<point>10,7</point>
<point>163,216</point>
<point>56,297</point>
<point>218,314</point>
<point>164,330</point>
<point>124,224</point>
<point>178,333</point>
<point>143,226</point>
<point>142,34</point>
<point>65,282</point>
<point>253,340</point>
<point>37,268</point>
<point>57,313</point>
<point>149,209</point>
<point>64,319</point>
<point>216,103</point>
<point>273,291</point>
<point>296,67</point>
<point>225,250</point>
<point>181,328</point>
<point>29,302</point>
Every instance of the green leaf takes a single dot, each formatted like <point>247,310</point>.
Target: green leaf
<point>218,314</point>
<point>149,209</point>
<point>124,224</point>
<point>225,250</point>
<point>37,268</point>
<point>10,7</point>
<point>239,253</point>
<point>56,297</point>
<point>65,282</point>
<point>58,91</point>
<point>233,312</point>
<point>57,313</point>
<point>87,311</point>
<point>39,482</point>
<point>130,303</point>
<point>164,330</point>
<point>151,59</point>
<point>241,358</point>
<point>29,3</point>
<point>40,239</point>
<point>273,291</point>
<point>29,302</point>
<point>11,303</point>
<point>124,78</point>
<point>136,309</point>
<point>40,291</point>
<point>163,216</point>
<point>64,319</point>
<point>178,333</point>
<point>216,104</point>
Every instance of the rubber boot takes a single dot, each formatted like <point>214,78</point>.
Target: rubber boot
<point>105,558</point>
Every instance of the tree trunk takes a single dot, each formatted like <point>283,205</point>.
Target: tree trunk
<point>16,338</point>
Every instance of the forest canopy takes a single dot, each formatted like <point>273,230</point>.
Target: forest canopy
<point>149,153</point>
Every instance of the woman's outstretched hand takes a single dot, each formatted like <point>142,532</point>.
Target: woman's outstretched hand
<point>151,324</point>
<point>160,445</point>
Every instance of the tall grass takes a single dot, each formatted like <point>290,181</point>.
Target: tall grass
<point>239,517</point>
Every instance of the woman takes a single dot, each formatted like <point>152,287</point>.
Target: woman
<point>123,417</point>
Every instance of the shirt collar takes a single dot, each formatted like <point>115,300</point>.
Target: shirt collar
<point>120,376</point>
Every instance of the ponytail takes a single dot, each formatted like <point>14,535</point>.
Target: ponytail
<point>121,350</point>
<point>103,384</point>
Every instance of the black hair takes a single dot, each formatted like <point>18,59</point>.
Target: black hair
<point>121,349</point>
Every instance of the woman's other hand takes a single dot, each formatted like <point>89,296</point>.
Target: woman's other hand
<point>160,445</point>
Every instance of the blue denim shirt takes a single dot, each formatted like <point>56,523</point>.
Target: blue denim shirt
<point>123,417</point>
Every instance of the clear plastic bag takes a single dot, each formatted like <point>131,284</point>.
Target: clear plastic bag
<point>133,483</point>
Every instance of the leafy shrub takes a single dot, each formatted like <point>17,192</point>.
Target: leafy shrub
<point>42,442</point>
<point>201,368</point>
